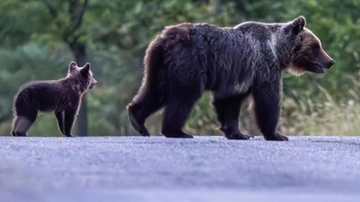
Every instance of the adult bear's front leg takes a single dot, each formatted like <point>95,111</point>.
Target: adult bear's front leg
<point>228,111</point>
<point>267,100</point>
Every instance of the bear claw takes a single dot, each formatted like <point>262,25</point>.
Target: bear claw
<point>180,136</point>
<point>278,137</point>
<point>237,136</point>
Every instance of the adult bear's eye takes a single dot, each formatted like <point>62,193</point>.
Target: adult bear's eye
<point>316,46</point>
<point>315,49</point>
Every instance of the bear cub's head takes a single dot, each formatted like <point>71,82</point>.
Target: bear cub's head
<point>83,74</point>
<point>307,53</point>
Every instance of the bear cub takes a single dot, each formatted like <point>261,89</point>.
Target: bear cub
<point>187,59</point>
<point>62,96</point>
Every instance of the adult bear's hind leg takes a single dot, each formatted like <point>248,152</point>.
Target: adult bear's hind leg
<point>141,108</point>
<point>175,116</point>
<point>177,110</point>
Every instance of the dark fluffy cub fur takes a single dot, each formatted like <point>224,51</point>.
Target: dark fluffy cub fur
<point>62,96</point>
<point>188,59</point>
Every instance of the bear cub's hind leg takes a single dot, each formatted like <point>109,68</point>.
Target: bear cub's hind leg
<point>21,125</point>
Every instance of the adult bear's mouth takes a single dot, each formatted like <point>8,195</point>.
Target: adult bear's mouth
<point>320,68</point>
<point>317,68</point>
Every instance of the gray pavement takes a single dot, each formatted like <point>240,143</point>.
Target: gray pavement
<point>136,169</point>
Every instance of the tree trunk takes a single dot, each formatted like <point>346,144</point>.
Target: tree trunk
<point>82,123</point>
<point>79,52</point>
<point>217,7</point>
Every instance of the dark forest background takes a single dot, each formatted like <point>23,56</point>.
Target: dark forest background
<point>38,39</point>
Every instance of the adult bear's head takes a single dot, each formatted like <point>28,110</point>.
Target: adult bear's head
<point>306,53</point>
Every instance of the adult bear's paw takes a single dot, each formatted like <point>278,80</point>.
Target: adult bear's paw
<point>237,136</point>
<point>277,137</point>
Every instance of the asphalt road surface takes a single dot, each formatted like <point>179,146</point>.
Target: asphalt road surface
<point>137,169</point>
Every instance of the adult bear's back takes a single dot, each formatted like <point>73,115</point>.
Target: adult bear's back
<point>207,52</point>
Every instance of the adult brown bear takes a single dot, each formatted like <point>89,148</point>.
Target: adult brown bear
<point>188,59</point>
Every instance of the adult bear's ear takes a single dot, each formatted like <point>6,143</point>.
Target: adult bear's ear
<point>86,69</point>
<point>296,26</point>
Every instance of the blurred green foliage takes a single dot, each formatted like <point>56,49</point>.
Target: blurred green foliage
<point>117,32</point>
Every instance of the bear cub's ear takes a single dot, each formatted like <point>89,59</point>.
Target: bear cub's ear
<point>72,63</point>
<point>86,69</point>
<point>297,25</point>
<point>72,66</point>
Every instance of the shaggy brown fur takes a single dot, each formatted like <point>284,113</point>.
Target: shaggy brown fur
<point>188,59</point>
<point>61,96</point>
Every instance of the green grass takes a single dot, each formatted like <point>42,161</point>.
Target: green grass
<point>300,116</point>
